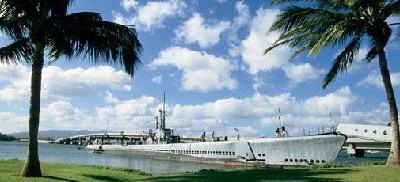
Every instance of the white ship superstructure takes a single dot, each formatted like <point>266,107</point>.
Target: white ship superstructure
<point>318,149</point>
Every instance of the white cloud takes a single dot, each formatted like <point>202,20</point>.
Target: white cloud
<point>59,83</point>
<point>302,72</point>
<point>375,79</point>
<point>220,114</point>
<point>60,111</point>
<point>157,79</point>
<point>195,30</point>
<point>239,21</point>
<point>129,115</point>
<point>221,1</point>
<point>129,4</point>
<point>377,116</point>
<point>259,38</point>
<point>11,122</point>
<point>253,116</point>
<point>109,98</point>
<point>63,115</point>
<point>136,107</point>
<point>201,71</point>
<point>153,14</point>
<point>337,103</point>
<point>80,82</point>
<point>252,48</point>
<point>17,82</point>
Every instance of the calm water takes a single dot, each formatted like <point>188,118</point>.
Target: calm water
<point>71,154</point>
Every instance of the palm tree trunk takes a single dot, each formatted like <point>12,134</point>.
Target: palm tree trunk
<point>32,163</point>
<point>394,158</point>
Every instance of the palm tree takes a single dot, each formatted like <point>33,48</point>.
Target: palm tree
<point>337,22</point>
<point>39,28</point>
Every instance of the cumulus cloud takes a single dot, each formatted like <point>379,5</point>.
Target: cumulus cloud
<point>59,83</point>
<point>129,4</point>
<point>157,79</point>
<point>261,111</point>
<point>63,115</point>
<point>79,82</point>
<point>109,98</point>
<point>60,112</point>
<point>17,79</point>
<point>135,107</point>
<point>201,71</point>
<point>302,72</point>
<point>221,1</point>
<point>12,122</point>
<point>375,79</point>
<point>239,21</point>
<point>195,30</point>
<point>153,14</point>
<point>252,48</point>
<point>256,115</point>
<point>129,115</point>
<point>337,103</point>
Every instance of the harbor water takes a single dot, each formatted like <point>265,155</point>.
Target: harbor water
<point>77,155</point>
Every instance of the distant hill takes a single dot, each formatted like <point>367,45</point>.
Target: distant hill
<point>55,134</point>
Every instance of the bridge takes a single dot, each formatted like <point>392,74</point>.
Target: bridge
<point>128,138</point>
<point>357,146</point>
<point>365,137</point>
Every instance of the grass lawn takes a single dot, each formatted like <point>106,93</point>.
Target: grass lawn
<point>9,171</point>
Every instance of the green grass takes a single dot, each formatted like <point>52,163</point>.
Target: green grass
<point>9,171</point>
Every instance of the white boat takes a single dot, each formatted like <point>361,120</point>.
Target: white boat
<point>161,143</point>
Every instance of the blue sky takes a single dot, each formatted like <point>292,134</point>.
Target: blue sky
<point>208,57</point>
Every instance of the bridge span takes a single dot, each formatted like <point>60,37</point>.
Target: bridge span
<point>361,137</point>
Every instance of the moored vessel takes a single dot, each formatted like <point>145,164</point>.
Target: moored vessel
<point>162,143</point>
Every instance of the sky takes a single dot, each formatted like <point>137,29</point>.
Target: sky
<point>207,56</point>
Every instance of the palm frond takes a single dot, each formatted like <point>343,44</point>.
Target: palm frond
<point>391,8</point>
<point>12,8</point>
<point>343,60</point>
<point>295,16</point>
<point>16,51</point>
<point>61,29</point>
<point>337,33</point>
<point>100,41</point>
<point>13,28</point>
<point>312,29</point>
<point>372,53</point>
<point>59,7</point>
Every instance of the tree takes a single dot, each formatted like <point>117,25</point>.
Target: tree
<point>338,22</point>
<point>39,28</point>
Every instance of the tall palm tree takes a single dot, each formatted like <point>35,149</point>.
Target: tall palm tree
<point>39,28</point>
<point>337,22</point>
